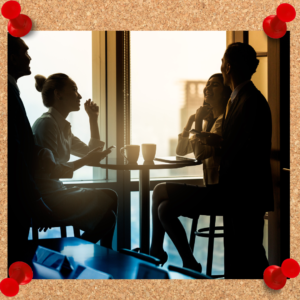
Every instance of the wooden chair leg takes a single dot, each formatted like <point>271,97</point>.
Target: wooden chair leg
<point>210,245</point>
<point>192,235</point>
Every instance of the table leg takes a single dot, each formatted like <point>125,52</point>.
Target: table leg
<point>145,210</point>
<point>124,211</point>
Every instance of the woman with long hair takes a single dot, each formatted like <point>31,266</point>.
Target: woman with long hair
<point>171,200</point>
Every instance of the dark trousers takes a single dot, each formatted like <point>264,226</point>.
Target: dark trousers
<point>245,256</point>
<point>17,237</point>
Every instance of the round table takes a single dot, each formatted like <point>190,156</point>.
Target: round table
<point>144,187</point>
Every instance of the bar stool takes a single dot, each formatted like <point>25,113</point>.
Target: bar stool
<point>63,229</point>
<point>208,232</point>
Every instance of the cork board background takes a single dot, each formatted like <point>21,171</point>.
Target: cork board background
<point>52,15</point>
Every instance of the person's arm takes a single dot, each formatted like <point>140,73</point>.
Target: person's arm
<point>81,149</point>
<point>203,151</point>
<point>95,134</point>
<point>92,110</point>
<point>183,145</point>
<point>188,126</point>
<point>201,114</point>
<point>200,150</point>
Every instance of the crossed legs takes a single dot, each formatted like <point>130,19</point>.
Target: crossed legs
<point>165,213</point>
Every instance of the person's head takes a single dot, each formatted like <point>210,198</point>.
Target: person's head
<point>216,94</point>
<point>239,61</point>
<point>18,59</point>
<point>59,91</point>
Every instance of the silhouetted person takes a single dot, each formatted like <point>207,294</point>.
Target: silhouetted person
<point>172,200</point>
<point>24,199</point>
<point>245,170</point>
<point>92,210</point>
<point>26,159</point>
<point>244,191</point>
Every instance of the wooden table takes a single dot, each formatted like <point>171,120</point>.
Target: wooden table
<point>144,189</point>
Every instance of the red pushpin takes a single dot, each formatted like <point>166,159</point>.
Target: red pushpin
<point>275,277</point>
<point>19,24</point>
<point>290,268</point>
<point>20,273</point>
<point>275,26</point>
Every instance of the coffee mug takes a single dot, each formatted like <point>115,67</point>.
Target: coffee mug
<point>149,151</point>
<point>132,152</point>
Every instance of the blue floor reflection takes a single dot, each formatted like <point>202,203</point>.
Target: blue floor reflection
<point>201,244</point>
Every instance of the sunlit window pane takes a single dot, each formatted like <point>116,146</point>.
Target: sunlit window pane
<point>260,77</point>
<point>168,73</point>
<point>258,40</point>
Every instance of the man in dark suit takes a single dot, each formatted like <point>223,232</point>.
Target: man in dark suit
<point>245,171</point>
<point>24,199</point>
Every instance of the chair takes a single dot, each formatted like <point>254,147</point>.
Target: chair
<point>63,229</point>
<point>142,256</point>
<point>208,232</point>
<point>188,272</point>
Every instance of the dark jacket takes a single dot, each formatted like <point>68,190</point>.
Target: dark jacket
<point>245,169</point>
<point>22,154</point>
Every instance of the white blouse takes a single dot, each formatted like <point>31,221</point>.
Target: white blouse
<point>52,131</point>
<point>202,152</point>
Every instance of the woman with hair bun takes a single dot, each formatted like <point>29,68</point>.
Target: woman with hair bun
<point>93,210</point>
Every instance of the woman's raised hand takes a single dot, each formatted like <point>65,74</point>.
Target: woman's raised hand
<point>202,112</point>
<point>92,109</point>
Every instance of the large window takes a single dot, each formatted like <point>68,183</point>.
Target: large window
<point>168,73</point>
<point>61,52</point>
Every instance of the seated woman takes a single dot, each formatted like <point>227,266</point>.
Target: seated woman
<point>171,200</point>
<point>90,209</point>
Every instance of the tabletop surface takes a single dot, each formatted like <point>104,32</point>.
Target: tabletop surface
<point>112,163</point>
<point>78,251</point>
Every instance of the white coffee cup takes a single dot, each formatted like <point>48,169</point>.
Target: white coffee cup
<point>132,153</point>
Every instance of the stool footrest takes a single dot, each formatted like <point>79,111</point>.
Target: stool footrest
<point>204,232</point>
<point>215,235</point>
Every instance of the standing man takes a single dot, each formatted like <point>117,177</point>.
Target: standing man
<point>245,170</point>
<point>24,199</point>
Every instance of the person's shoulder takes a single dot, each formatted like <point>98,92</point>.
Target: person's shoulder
<point>12,91</point>
<point>44,122</point>
<point>253,94</point>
